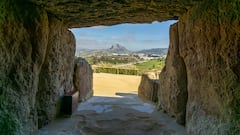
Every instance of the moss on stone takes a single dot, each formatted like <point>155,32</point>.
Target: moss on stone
<point>2,11</point>
<point>19,21</point>
<point>217,11</point>
<point>18,10</point>
<point>234,127</point>
<point>8,123</point>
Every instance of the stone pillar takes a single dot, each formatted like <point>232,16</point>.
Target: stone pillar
<point>55,78</point>
<point>83,79</point>
<point>210,46</point>
<point>172,94</point>
<point>23,44</point>
<point>148,87</point>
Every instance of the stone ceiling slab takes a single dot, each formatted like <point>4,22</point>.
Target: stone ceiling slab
<point>84,13</point>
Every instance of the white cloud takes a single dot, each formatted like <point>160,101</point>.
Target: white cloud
<point>99,27</point>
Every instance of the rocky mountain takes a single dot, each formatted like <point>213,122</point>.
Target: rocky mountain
<point>119,49</point>
<point>116,48</point>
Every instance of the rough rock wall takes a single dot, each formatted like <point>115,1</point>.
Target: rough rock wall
<point>83,79</point>
<point>56,76</point>
<point>209,38</point>
<point>36,54</point>
<point>78,13</point>
<point>23,44</point>
<point>148,87</point>
<point>172,94</point>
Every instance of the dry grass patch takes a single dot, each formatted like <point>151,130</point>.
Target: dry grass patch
<point>110,84</point>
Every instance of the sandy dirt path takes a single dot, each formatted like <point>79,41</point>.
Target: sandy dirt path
<point>115,109</point>
<point>110,84</point>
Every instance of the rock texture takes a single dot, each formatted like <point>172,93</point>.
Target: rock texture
<point>148,87</point>
<point>77,13</point>
<point>172,92</point>
<point>209,39</point>
<point>209,44</point>
<point>56,76</point>
<point>83,79</point>
<point>36,53</point>
<point>23,44</point>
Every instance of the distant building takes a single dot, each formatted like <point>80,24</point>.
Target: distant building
<point>120,54</point>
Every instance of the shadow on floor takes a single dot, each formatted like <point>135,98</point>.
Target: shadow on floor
<point>125,114</point>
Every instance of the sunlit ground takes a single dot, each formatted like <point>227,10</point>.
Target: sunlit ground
<point>115,110</point>
<point>109,85</point>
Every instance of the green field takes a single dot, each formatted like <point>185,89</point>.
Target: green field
<point>154,65</point>
<point>113,60</point>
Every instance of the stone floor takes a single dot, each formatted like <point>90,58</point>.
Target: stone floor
<point>124,114</point>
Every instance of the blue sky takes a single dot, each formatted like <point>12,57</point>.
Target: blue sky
<point>132,36</point>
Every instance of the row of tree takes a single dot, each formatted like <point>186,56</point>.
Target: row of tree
<point>94,60</point>
<point>116,70</point>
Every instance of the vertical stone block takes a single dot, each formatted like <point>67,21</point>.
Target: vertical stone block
<point>172,94</point>
<point>83,79</point>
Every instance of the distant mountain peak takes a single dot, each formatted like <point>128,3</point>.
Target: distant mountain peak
<point>117,48</point>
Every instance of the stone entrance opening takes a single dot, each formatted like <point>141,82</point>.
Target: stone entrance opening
<point>37,58</point>
<point>130,49</point>
<point>115,105</point>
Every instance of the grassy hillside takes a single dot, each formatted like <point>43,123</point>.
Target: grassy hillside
<point>136,69</point>
<point>156,64</point>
